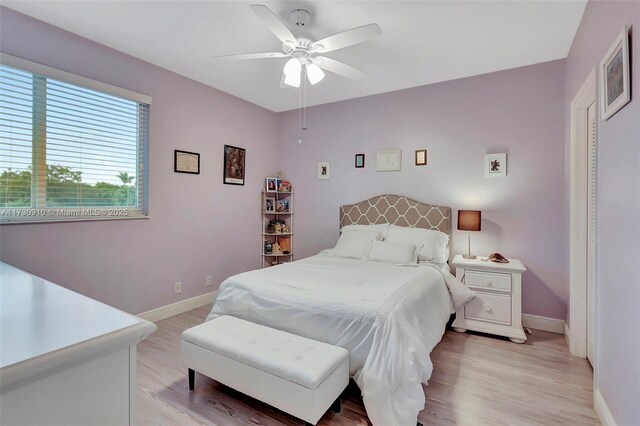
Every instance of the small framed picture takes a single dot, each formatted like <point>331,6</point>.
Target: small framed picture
<point>359,161</point>
<point>284,186</point>
<point>234,160</point>
<point>495,165</point>
<point>271,184</point>
<point>186,162</point>
<point>324,170</point>
<point>615,89</point>
<point>269,204</point>
<point>389,160</point>
<point>282,206</point>
<point>421,157</point>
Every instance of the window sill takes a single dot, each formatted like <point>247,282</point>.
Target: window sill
<point>4,222</point>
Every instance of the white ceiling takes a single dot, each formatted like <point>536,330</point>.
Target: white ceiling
<point>422,42</point>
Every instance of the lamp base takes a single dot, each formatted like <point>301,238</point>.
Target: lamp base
<point>469,256</point>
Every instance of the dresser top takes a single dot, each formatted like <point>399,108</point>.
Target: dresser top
<point>38,317</point>
<point>480,263</point>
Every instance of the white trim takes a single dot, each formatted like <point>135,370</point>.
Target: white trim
<point>567,334</point>
<point>578,218</point>
<point>602,409</point>
<point>177,308</point>
<point>536,322</point>
<point>23,64</point>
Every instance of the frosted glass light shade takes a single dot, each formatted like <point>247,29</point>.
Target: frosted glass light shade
<point>292,70</point>
<point>314,73</point>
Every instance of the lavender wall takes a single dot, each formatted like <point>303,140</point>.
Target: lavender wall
<point>618,346</point>
<point>519,112</point>
<point>198,226</point>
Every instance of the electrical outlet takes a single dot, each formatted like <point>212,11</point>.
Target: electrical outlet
<point>177,288</point>
<point>209,280</point>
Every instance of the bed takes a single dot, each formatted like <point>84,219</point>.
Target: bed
<point>388,317</point>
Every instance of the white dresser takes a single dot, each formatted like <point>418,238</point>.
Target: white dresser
<point>498,307</point>
<point>65,359</point>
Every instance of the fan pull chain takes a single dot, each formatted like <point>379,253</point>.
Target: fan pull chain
<point>300,116</point>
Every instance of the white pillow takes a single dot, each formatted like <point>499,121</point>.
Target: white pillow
<point>405,254</point>
<point>380,228</point>
<point>435,243</point>
<point>355,244</point>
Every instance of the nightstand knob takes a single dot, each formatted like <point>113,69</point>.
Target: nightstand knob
<point>487,308</point>
<point>489,284</point>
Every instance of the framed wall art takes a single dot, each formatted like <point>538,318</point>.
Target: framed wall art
<point>324,170</point>
<point>615,84</point>
<point>421,157</point>
<point>359,161</point>
<point>234,163</point>
<point>495,165</point>
<point>186,162</point>
<point>389,160</point>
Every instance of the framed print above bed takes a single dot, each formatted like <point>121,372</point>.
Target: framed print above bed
<point>495,165</point>
<point>234,162</point>
<point>389,160</point>
<point>615,91</point>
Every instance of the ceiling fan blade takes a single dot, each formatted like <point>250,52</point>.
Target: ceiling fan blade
<point>266,55</point>
<point>347,38</point>
<point>275,25</point>
<point>338,67</point>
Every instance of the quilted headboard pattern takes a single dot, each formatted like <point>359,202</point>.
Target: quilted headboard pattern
<point>396,210</point>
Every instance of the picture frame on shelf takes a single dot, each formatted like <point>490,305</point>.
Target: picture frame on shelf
<point>421,157</point>
<point>615,79</point>
<point>271,184</point>
<point>495,165</point>
<point>186,162</point>
<point>282,206</point>
<point>269,205</point>
<point>324,170</point>
<point>234,165</point>
<point>359,162</point>
<point>284,186</point>
<point>268,247</point>
<point>389,160</point>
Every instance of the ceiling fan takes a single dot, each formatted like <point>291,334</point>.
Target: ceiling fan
<point>304,53</point>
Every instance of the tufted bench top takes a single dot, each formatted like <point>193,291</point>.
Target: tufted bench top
<point>288,356</point>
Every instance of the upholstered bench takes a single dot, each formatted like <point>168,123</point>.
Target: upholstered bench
<point>300,376</point>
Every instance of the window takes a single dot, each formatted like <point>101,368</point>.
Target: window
<point>70,148</point>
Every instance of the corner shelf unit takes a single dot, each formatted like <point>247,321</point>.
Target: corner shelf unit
<point>269,216</point>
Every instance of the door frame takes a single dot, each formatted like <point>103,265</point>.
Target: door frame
<point>578,219</point>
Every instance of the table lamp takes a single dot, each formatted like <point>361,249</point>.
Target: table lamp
<point>469,220</point>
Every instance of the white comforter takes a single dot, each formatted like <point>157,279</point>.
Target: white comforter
<point>388,317</point>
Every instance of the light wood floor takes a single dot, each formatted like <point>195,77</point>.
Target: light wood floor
<point>477,380</point>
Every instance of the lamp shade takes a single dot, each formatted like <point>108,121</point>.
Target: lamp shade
<point>468,220</point>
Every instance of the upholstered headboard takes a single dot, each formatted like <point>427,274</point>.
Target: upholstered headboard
<point>396,210</point>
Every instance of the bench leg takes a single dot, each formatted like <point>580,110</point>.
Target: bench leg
<point>336,407</point>
<point>192,379</point>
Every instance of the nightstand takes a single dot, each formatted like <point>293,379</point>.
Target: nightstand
<point>498,307</point>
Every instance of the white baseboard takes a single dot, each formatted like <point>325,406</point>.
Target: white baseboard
<point>567,334</point>
<point>543,323</point>
<point>602,409</point>
<point>178,307</point>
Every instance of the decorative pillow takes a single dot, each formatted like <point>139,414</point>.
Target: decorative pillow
<point>405,254</point>
<point>381,228</point>
<point>355,243</point>
<point>435,243</point>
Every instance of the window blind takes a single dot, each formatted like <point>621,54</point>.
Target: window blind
<point>70,152</point>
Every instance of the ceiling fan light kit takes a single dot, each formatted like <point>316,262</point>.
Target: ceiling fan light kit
<point>304,51</point>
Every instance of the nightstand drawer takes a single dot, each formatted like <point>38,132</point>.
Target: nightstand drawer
<point>488,280</point>
<point>489,307</point>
